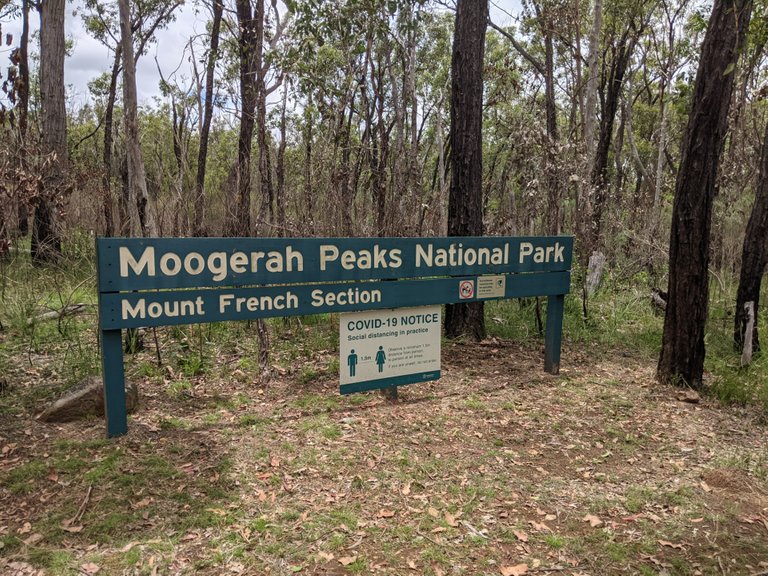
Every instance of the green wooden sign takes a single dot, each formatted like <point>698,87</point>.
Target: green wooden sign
<point>146,282</point>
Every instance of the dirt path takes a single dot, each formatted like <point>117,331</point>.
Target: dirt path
<point>497,468</point>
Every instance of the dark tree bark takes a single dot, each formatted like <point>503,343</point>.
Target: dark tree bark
<point>202,156</point>
<point>622,55</point>
<point>249,49</point>
<point>281,200</point>
<point>754,255</point>
<point>46,238</point>
<point>465,201</point>
<point>682,353</point>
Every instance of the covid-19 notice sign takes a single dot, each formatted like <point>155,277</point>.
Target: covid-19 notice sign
<point>383,348</point>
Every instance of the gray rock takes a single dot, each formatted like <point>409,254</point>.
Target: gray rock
<point>86,399</point>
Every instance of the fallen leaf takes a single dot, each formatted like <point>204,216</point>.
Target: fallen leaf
<point>26,529</point>
<point>433,512</point>
<point>437,570</point>
<point>705,486</point>
<point>412,565</point>
<point>517,570</point>
<point>406,489</point>
<point>90,568</point>
<point>72,529</point>
<point>385,513</point>
<point>451,520</point>
<point>327,556</point>
<point>671,545</point>
<point>347,560</point>
<point>539,526</point>
<point>34,539</point>
<point>593,520</point>
<point>275,462</point>
<point>520,535</point>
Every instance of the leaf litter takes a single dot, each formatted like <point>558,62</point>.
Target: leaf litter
<point>497,468</point>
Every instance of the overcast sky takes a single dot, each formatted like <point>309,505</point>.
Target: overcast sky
<point>89,58</point>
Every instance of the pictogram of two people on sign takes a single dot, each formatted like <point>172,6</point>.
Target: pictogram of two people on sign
<point>381,358</point>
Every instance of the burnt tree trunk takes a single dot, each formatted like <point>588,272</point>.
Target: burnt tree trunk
<point>754,255</point>
<point>465,201</point>
<point>23,107</point>
<point>682,351</point>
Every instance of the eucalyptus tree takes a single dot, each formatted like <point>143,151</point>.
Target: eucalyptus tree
<point>682,354</point>
<point>102,21</point>
<point>46,232</point>
<point>465,203</point>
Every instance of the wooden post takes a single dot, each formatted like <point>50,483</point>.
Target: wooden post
<point>114,383</point>
<point>553,335</point>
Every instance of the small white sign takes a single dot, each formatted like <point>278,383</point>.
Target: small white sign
<point>491,286</point>
<point>389,347</point>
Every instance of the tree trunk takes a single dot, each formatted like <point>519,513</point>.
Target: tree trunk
<point>23,107</point>
<point>248,50</point>
<point>754,256</point>
<point>200,229</point>
<point>140,213</point>
<point>46,235</point>
<point>109,218</point>
<point>682,353</point>
<point>465,203</point>
<point>281,200</point>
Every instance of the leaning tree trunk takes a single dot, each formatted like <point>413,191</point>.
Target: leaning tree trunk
<point>754,255</point>
<point>46,239</point>
<point>465,201</point>
<point>682,351</point>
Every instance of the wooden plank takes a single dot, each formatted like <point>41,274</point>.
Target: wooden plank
<point>126,264</point>
<point>553,334</point>
<point>114,383</point>
<point>144,309</point>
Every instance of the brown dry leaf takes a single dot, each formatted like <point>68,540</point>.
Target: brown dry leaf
<point>412,565</point>
<point>520,535</point>
<point>593,520</point>
<point>671,545</point>
<point>34,539</point>
<point>384,513</point>
<point>437,570</point>
<point>347,560</point>
<point>141,503</point>
<point>433,512</point>
<point>517,570</point>
<point>539,526</point>
<point>52,476</point>
<point>26,529</point>
<point>72,529</point>
<point>275,462</point>
<point>327,556</point>
<point>90,568</point>
<point>705,486</point>
<point>451,520</point>
<point>406,489</point>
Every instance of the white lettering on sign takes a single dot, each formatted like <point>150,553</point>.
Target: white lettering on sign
<point>541,254</point>
<point>458,255</point>
<point>170,309</point>
<point>230,302</point>
<point>361,259</point>
<point>350,296</point>
<point>218,264</point>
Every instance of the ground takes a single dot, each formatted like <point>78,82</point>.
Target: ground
<point>498,468</point>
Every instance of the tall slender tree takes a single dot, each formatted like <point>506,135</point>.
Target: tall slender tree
<point>46,233</point>
<point>682,352</point>
<point>465,201</point>
<point>754,255</point>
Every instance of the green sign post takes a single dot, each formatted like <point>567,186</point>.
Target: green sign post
<point>146,282</point>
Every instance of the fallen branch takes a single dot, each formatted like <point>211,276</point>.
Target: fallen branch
<point>68,310</point>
